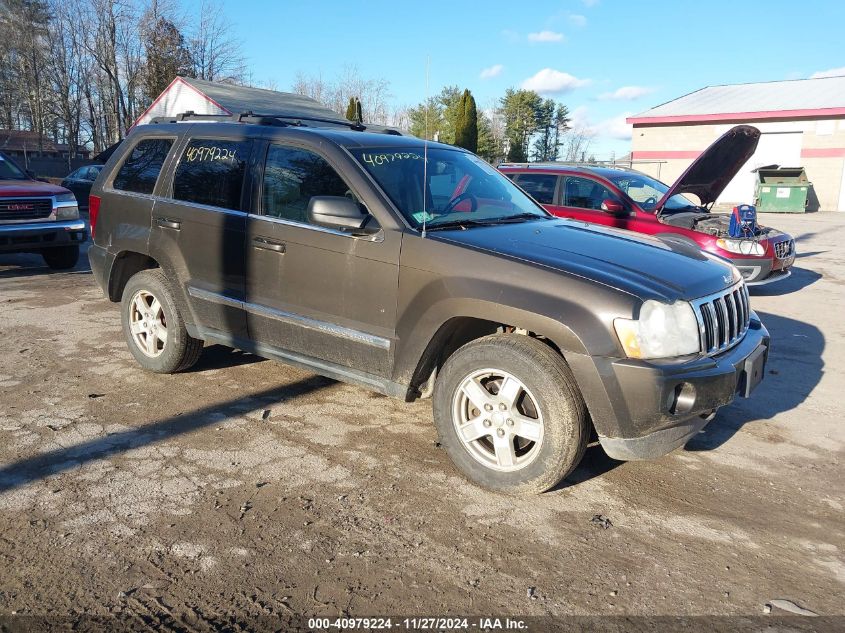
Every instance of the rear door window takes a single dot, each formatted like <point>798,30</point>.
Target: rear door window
<point>211,172</point>
<point>540,186</point>
<point>142,166</point>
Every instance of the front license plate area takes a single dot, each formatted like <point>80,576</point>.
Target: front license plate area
<point>753,370</point>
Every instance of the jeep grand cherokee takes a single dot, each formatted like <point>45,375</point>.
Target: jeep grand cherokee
<point>344,251</point>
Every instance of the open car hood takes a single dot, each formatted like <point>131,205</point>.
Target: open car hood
<point>711,172</point>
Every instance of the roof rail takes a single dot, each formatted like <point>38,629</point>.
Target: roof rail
<point>570,163</point>
<point>358,127</point>
<point>282,120</point>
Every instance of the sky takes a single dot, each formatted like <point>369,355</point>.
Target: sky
<point>604,59</point>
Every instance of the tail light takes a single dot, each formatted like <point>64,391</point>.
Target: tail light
<point>93,213</point>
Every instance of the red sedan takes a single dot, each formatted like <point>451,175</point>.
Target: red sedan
<point>628,199</point>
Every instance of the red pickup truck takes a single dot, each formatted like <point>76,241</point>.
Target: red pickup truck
<point>37,217</point>
<point>628,199</point>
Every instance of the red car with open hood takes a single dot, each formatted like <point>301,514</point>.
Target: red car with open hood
<point>628,199</point>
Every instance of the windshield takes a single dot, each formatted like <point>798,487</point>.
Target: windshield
<point>10,171</point>
<point>460,188</point>
<point>647,192</point>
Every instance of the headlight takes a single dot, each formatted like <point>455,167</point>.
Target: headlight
<point>662,331</point>
<point>744,247</point>
<point>66,207</point>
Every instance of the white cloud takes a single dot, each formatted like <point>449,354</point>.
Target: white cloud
<point>832,72</point>
<point>550,81</point>
<point>493,71</point>
<point>545,36</point>
<point>615,127</point>
<point>626,93</point>
<point>577,20</point>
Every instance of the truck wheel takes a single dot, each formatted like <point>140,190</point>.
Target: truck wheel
<point>153,327</point>
<point>61,257</point>
<point>509,414</point>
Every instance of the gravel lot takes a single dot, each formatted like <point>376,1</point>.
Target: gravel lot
<point>246,488</point>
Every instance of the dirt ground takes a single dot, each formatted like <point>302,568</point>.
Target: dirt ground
<point>246,488</point>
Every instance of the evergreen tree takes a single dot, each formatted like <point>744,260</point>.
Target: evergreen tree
<point>470,121</point>
<point>167,56</point>
<point>352,110</point>
<point>520,109</point>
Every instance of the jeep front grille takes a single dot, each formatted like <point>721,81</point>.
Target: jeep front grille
<point>784,249</point>
<point>25,208</point>
<point>723,318</point>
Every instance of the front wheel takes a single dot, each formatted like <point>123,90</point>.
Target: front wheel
<point>153,327</point>
<point>61,257</point>
<point>509,414</point>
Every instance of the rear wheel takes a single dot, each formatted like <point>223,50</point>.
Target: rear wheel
<point>510,415</point>
<point>61,257</point>
<point>153,327</point>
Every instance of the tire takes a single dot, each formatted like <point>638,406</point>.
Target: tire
<point>153,327</point>
<point>61,257</point>
<point>546,424</point>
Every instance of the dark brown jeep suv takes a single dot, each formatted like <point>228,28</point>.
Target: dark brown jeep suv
<point>323,245</point>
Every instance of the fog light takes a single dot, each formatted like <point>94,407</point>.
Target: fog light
<point>683,399</point>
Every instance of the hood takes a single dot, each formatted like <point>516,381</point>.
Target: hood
<point>711,172</point>
<point>26,188</point>
<point>640,265</point>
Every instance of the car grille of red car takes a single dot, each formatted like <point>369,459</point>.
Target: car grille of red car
<point>784,249</point>
<point>723,319</point>
<point>25,208</point>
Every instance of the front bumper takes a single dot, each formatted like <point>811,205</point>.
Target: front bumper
<point>757,271</point>
<point>36,236</point>
<point>645,409</point>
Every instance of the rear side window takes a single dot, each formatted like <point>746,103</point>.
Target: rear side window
<point>540,186</point>
<point>140,170</point>
<point>292,176</point>
<point>211,172</point>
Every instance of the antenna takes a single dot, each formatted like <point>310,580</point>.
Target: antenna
<point>425,145</point>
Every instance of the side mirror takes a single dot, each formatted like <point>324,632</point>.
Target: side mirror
<point>612,206</point>
<point>336,212</point>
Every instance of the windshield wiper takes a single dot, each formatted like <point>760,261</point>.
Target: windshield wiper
<point>520,217</point>
<point>463,223</point>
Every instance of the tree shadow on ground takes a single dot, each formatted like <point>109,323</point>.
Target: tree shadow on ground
<point>40,466</point>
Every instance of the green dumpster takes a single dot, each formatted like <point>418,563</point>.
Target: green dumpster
<point>782,189</point>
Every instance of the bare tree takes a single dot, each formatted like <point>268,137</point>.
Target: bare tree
<point>374,94</point>
<point>24,24</point>
<point>576,143</point>
<point>67,70</point>
<point>216,54</point>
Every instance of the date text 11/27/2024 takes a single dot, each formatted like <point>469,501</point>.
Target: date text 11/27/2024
<point>418,624</point>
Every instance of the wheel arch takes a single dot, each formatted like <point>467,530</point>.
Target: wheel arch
<point>454,332</point>
<point>125,265</point>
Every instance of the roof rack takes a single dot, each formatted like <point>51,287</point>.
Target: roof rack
<point>282,120</point>
<point>571,163</point>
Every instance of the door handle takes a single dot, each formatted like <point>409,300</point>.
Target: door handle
<point>268,244</point>
<point>169,224</point>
